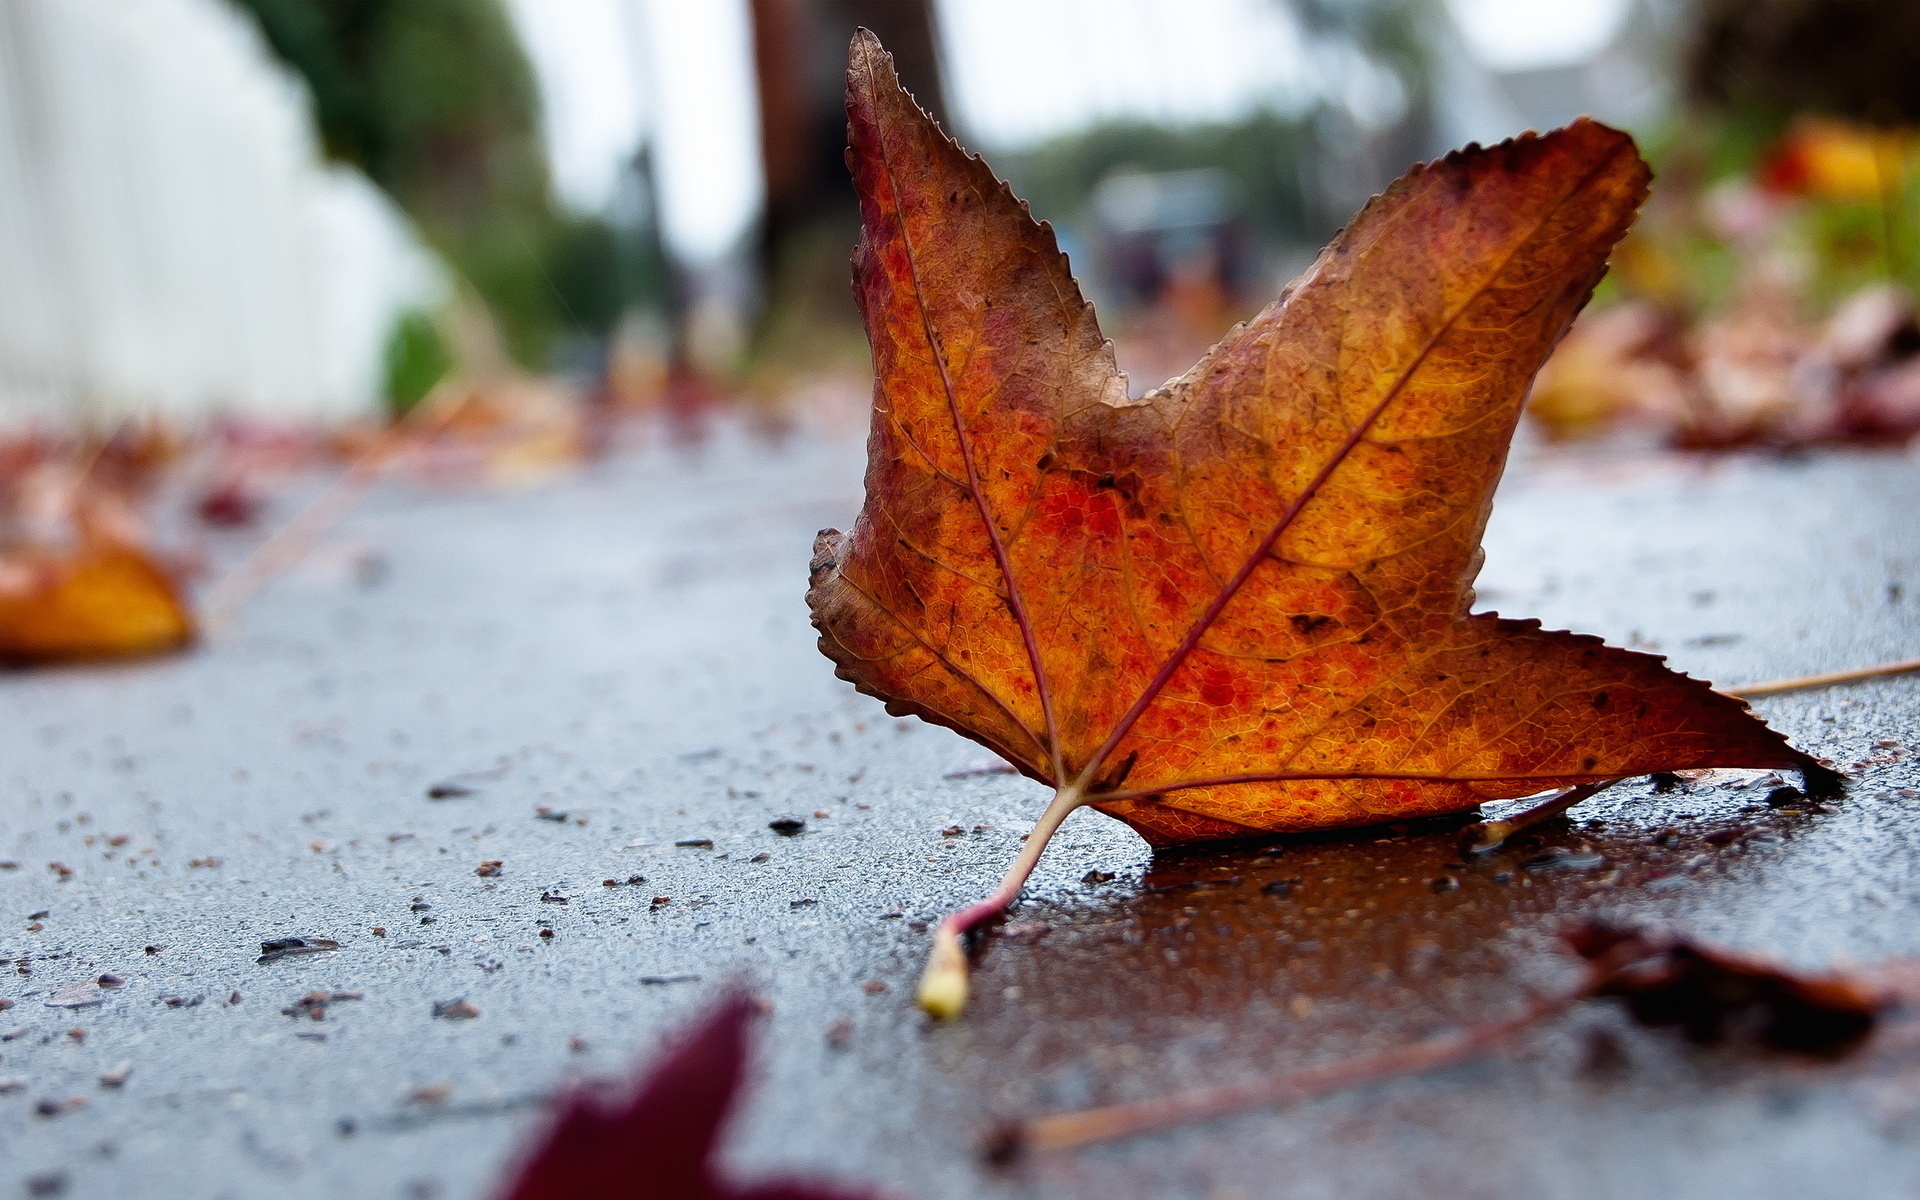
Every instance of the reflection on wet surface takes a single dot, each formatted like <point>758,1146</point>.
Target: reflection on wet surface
<point>1223,964</point>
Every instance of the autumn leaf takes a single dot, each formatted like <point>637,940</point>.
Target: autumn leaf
<point>658,1143</point>
<point>1241,603</point>
<point>103,596</point>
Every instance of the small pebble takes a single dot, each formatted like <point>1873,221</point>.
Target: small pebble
<point>75,995</point>
<point>55,1108</point>
<point>431,1093</point>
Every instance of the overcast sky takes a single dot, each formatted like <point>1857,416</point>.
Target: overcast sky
<point>614,72</point>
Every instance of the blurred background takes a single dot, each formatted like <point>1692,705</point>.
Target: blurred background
<point>324,208</point>
<point>257,230</point>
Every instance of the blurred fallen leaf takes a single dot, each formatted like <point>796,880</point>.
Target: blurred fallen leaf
<point>1624,364</point>
<point>79,584</point>
<point>660,1141</point>
<point>1755,375</point>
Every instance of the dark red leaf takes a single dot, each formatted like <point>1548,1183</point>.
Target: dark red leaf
<point>658,1142</point>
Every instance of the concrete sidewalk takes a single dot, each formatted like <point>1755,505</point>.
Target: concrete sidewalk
<point>588,674</point>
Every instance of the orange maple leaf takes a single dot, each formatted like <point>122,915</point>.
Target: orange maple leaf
<point>1240,603</point>
<point>103,597</point>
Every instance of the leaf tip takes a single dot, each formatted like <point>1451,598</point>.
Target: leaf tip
<point>865,46</point>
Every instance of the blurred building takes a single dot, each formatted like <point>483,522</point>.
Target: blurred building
<point>1503,66</point>
<point>171,238</point>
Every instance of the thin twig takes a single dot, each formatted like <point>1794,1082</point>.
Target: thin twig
<point>291,542</point>
<point>1067,1130</point>
<point>1775,686</point>
<point>1486,835</point>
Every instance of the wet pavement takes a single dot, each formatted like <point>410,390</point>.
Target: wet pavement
<point>569,681</point>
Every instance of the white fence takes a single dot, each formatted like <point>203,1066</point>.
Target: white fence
<point>171,240</point>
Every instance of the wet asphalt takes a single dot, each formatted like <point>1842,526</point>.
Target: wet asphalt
<point>572,681</point>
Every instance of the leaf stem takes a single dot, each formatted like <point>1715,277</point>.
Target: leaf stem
<point>943,985</point>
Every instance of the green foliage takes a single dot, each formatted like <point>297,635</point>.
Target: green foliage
<point>436,101</point>
<point>599,270</point>
<point>416,359</point>
<point>1263,156</point>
